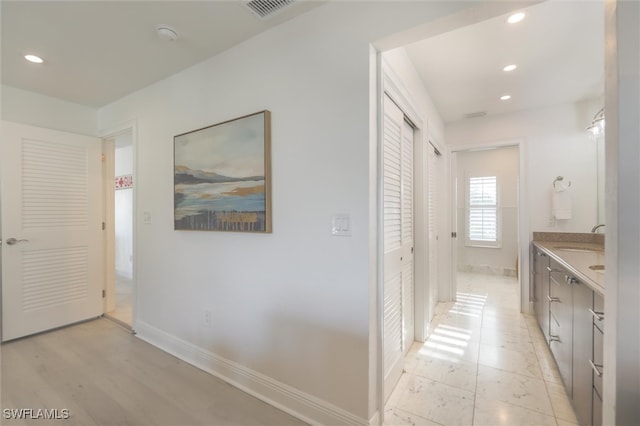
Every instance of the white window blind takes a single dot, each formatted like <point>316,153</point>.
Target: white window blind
<point>482,224</point>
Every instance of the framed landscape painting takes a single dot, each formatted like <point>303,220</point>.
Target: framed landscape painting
<point>222,176</point>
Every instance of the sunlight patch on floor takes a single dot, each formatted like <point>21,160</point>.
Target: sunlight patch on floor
<point>449,342</point>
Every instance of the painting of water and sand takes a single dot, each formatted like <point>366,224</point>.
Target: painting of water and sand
<point>222,176</point>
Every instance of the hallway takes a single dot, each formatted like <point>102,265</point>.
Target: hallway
<point>483,364</point>
<point>124,301</point>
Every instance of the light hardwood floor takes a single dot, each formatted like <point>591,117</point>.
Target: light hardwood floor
<point>106,376</point>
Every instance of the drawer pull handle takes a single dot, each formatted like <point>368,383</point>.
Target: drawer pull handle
<point>553,299</point>
<point>550,269</point>
<point>570,279</point>
<point>596,368</point>
<point>597,315</point>
<point>553,338</point>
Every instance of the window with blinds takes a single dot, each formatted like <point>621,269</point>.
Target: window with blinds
<point>482,212</point>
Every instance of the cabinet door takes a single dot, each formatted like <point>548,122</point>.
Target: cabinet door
<point>582,350</point>
<point>598,310</point>
<point>561,323</point>
<point>597,409</point>
<point>541,291</point>
<point>597,368</point>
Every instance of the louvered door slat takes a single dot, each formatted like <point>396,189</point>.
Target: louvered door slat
<point>393,321</point>
<point>407,183</point>
<point>391,186</point>
<point>407,305</point>
<point>54,185</point>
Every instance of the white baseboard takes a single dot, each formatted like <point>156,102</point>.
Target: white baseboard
<point>375,419</point>
<point>489,270</point>
<point>299,404</point>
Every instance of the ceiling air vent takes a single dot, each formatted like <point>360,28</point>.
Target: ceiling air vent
<point>264,9</point>
<point>475,114</point>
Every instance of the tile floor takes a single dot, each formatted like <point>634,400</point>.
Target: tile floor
<point>484,363</point>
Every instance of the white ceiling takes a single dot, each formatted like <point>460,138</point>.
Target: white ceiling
<point>98,51</point>
<point>558,47</point>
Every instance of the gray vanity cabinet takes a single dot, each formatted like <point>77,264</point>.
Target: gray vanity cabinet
<point>561,323</point>
<point>597,410</point>
<point>597,360</point>
<point>571,337</point>
<point>571,315</point>
<point>541,290</point>
<point>582,350</point>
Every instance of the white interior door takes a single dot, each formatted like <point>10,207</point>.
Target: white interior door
<point>408,295</point>
<point>51,229</point>
<point>108,187</point>
<point>452,290</point>
<point>433,205</point>
<point>398,241</point>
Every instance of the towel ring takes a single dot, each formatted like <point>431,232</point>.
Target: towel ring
<point>560,179</point>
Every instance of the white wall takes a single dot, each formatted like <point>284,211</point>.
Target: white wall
<point>502,163</point>
<point>398,60</point>
<point>123,213</point>
<point>294,306</point>
<point>622,103</point>
<point>21,106</point>
<point>556,144</point>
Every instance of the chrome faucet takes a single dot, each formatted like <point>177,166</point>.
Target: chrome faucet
<point>595,228</point>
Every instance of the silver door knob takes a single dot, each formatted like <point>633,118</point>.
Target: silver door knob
<point>12,241</point>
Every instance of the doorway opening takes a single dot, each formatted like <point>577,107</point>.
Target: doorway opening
<point>409,161</point>
<point>486,210</point>
<point>119,224</point>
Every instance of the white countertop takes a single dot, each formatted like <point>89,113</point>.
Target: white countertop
<point>578,262</point>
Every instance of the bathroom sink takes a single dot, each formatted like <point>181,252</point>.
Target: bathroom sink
<point>597,267</point>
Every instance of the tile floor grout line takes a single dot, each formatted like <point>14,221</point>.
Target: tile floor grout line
<point>475,391</point>
<point>546,386</point>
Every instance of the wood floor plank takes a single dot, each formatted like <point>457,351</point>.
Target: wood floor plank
<point>105,376</point>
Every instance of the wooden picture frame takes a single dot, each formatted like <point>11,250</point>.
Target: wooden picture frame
<point>222,176</point>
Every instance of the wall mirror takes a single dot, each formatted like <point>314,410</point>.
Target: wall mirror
<point>596,130</point>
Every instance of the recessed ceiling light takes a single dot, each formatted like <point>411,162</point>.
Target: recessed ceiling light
<point>516,17</point>
<point>33,58</point>
<point>510,67</point>
<point>505,97</point>
<point>166,33</point>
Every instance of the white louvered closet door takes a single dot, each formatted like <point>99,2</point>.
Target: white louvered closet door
<point>407,237</point>
<point>51,229</point>
<point>433,202</point>
<point>398,241</point>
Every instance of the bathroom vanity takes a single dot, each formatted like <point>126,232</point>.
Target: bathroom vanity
<point>568,297</point>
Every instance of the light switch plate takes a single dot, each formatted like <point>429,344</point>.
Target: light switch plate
<point>341,225</point>
<point>146,216</point>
